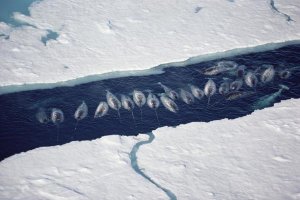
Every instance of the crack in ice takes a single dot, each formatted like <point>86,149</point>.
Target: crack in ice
<point>135,166</point>
<point>272,4</point>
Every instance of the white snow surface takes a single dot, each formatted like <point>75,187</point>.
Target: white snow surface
<point>100,37</point>
<point>252,157</point>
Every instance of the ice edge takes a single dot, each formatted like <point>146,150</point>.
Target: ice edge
<point>6,89</point>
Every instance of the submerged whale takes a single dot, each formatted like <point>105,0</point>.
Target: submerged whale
<point>236,85</point>
<point>224,88</point>
<point>285,74</point>
<point>268,74</point>
<point>169,92</point>
<point>210,89</point>
<point>101,110</point>
<point>196,91</point>
<point>113,102</point>
<point>186,96</point>
<point>251,80</point>
<point>81,112</point>
<point>267,100</point>
<point>221,67</point>
<point>169,103</point>
<point>237,95</point>
<point>41,116</point>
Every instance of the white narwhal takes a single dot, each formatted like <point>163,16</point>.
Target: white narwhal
<point>41,116</point>
<point>267,100</point>
<point>153,103</point>
<point>268,74</point>
<point>57,117</point>
<point>186,96</point>
<point>168,103</point>
<point>210,89</point>
<point>139,99</point>
<point>196,91</point>
<point>127,104</point>
<point>169,92</point>
<point>236,85</point>
<point>113,102</point>
<point>101,110</point>
<point>81,113</point>
<point>251,79</point>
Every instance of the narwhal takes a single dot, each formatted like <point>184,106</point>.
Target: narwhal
<point>127,104</point>
<point>236,85</point>
<point>168,103</point>
<point>267,100</point>
<point>168,91</point>
<point>186,96</point>
<point>139,99</point>
<point>268,74</point>
<point>221,67</point>
<point>57,117</point>
<point>284,74</point>
<point>153,103</point>
<point>81,113</point>
<point>224,88</point>
<point>251,79</point>
<point>113,102</point>
<point>237,95</point>
<point>210,89</point>
<point>101,110</point>
<point>41,116</point>
<point>240,71</point>
<point>196,91</point>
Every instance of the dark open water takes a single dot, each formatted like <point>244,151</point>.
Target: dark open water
<point>20,131</point>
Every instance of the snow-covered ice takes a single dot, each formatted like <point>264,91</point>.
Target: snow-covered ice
<point>108,38</point>
<point>253,157</point>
